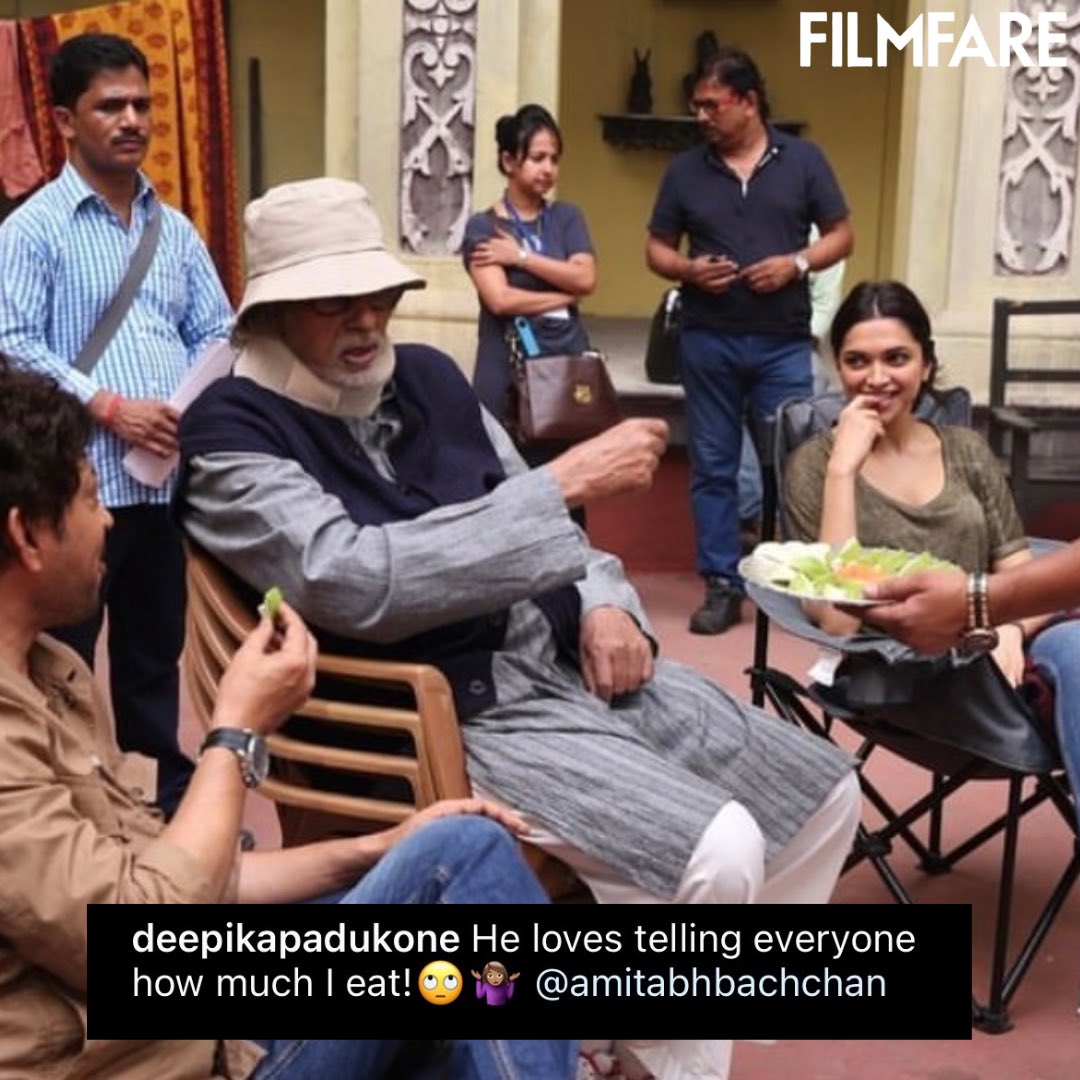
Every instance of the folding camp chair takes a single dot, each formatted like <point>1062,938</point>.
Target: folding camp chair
<point>960,721</point>
<point>375,742</point>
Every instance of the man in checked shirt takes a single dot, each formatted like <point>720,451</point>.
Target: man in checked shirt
<point>63,255</point>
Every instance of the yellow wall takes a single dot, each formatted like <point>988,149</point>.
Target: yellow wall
<point>851,113</point>
<point>288,39</point>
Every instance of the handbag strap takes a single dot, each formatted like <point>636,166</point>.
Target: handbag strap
<point>113,315</point>
<point>513,350</point>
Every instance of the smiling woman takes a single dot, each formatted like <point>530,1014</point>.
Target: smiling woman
<point>886,477</point>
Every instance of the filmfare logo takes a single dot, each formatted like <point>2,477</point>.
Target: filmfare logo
<point>934,39</point>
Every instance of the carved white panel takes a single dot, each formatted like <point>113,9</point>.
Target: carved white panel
<point>438,121</point>
<point>1037,181</point>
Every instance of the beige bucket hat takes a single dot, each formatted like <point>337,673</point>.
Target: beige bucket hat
<point>317,238</point>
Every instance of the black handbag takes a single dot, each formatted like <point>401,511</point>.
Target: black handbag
<point>662,352</point>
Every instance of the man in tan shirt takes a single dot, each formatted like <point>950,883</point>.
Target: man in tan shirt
<point>73,833</point>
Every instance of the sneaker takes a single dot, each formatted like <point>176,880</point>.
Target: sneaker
<point>722,608</point>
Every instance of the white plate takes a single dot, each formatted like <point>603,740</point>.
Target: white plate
<point>761,583</point>
<point>752,569</point>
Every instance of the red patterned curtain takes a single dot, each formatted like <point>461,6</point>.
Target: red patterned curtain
<point>191,153</point>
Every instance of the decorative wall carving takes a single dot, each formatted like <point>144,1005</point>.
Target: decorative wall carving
<point>438,121</point>
<point>1037,182</point>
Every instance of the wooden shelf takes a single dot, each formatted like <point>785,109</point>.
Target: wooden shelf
<point>641,131</point>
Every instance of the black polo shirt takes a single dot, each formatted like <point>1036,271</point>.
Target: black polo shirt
<point>792,187</point>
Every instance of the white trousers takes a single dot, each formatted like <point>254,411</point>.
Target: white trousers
<point>727,867</point>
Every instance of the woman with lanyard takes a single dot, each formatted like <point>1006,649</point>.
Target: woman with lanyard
<point>527,257</point>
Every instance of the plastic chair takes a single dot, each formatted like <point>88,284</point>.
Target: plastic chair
<point>376,741</point>
<point>960,721</point>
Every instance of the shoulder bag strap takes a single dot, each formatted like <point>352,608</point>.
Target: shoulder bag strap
<point>113,315</point>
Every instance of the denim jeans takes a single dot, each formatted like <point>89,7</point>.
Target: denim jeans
<point>748,481</point>
<point>1057,652</point>
<point>722,375</point>
<point>459,860</point>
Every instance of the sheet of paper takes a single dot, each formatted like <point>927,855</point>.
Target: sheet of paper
<point>214,362</point>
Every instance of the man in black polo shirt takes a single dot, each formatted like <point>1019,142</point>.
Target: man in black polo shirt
<point>745,200</point>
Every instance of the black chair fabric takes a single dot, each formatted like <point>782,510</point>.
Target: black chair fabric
<point>966,706</point>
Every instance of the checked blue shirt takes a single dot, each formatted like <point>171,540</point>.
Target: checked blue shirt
<point>63,254</point>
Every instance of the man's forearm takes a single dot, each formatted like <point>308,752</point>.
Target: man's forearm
<point>381,583</point>
<point>835,243</point>
<point>1039,587</point>
<point>292,875</point>
<point>665,259</point>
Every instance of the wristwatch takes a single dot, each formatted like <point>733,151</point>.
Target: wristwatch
<point>802,265</point>
<point>980,637</point>
<point>249,748</point>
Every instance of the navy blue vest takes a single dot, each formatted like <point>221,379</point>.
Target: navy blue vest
<point>443,456</point>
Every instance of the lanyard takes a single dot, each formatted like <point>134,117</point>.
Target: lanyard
<point>525,235</point>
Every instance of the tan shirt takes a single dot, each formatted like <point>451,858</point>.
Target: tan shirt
<point>72,834</point>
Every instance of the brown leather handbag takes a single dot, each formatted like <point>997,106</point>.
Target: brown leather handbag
<point>563,398</point>
<point>559,399</point>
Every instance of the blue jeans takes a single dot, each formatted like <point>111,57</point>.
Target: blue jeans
<point>1057,652</point>
<point>460,860</point>
<point>748,481</point>
<point>722,375</point>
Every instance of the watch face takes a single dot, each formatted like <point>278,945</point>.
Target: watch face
<point>977,642</point>
<point>258,761</point>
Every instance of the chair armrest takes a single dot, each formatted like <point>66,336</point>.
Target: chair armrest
<point>1010,418</point>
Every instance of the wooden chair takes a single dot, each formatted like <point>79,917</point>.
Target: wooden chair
<point>1015,429</point>
<point>406,711</point>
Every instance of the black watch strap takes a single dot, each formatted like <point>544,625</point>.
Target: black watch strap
<point>249,748</point>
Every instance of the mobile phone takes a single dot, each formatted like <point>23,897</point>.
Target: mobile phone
<point>718,258</point>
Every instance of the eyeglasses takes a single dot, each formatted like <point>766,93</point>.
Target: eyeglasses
<point>711,105</point>
<point>339,305</point>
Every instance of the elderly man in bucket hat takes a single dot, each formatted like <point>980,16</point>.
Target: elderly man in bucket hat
<point>365,478</point>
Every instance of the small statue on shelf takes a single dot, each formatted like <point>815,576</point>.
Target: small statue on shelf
<point>706,44</point>
<point>639,100</point>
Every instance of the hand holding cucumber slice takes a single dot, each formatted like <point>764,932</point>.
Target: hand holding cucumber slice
<point>271,603</point>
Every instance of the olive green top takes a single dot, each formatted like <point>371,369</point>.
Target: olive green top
<point>972,521</point>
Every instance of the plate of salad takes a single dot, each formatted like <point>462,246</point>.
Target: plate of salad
<point>825,572</point>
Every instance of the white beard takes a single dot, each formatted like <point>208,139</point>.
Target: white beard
<point>274,366</point>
